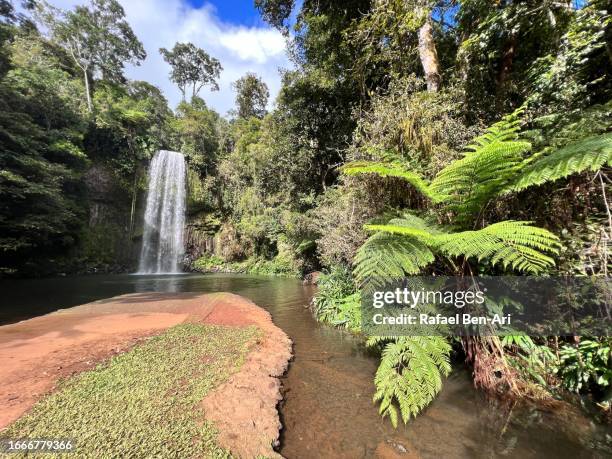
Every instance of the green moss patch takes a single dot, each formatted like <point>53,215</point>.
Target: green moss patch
<point>144,403</point>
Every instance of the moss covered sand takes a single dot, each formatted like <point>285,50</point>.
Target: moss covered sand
<point>145,402</point>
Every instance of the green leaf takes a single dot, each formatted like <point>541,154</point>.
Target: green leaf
<point>591,154</point>
<point>390,170</point>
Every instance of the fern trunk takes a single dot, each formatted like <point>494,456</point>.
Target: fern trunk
<point>490,368</point>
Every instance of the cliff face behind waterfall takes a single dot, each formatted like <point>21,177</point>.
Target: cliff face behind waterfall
<point>108,244</point>
<point>112,235</point>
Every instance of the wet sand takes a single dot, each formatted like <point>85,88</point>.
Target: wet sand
<point>35,354</point>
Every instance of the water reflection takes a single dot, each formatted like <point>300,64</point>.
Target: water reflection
<point>159,283</point>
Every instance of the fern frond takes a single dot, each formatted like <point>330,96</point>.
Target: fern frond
<point>491,162</point>
<point>396,170</point>
<point>509,243</point>
<point>506,129</point>
<point>512,244</point>
<point>591,154</point>
<point>416,233</point>
<point>410,374</point>
<point>467,184</point>
<point>385,257</point>
<point>408,225</point>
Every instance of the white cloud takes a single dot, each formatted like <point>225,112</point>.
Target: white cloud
<point>241,49</point>
<point>254,45</point>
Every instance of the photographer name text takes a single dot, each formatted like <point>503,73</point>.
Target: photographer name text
<point>440,319</point>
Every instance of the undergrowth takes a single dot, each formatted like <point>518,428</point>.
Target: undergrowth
<point>337,301</point>
<point>254,265</point>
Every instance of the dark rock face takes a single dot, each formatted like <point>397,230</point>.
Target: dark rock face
<point>100,183</point>
<point>201,235</point>
<point>111,237</point>
<point>205,235</point>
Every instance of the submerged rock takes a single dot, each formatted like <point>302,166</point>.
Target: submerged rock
<point>311,278</point>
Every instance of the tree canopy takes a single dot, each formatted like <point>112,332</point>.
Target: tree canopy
<point>97,37</point>
<point>251,96</point>
<point>192,67</point>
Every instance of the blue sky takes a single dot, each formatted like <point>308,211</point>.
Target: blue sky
<point>229,30</point>
<point>234,11</point>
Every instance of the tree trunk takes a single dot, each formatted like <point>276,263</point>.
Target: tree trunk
<point>462,61</point>
<point>87,91</point>
<point>429,56</point>
<point>504,71</point>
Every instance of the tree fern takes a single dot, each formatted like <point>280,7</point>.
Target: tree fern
<point>385,257</point>
<point>495,162</point>
<point>510,243</point>
<point>591,154</point>
<point>491,162</point>
<point>410,374</point>
<point>411,368</point>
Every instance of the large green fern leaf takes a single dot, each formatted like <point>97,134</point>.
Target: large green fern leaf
<point>513,244</point>
<point>387,257</point>
<point>391,169</point>
<point>491,161</point>
<point>591,154</point>
<point>410,374</point>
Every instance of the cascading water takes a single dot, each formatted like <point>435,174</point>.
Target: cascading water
<point>164,221</point>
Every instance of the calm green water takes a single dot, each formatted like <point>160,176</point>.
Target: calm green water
<point>328,411</point>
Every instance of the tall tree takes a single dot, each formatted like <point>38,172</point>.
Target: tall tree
<point>317,102</point>
<point>6,33</point>
<point>395,36</point>
<point>428,53</point>
<point>6,11</point>
<point>276,12</point>
<point>192,67</point>
<point>499,43</point>
<point>97,37</point>
<point>251,96</point>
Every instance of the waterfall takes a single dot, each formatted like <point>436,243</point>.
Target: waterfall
<point>164,221</point>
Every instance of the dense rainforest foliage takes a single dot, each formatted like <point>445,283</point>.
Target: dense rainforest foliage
<point>411,137</point>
